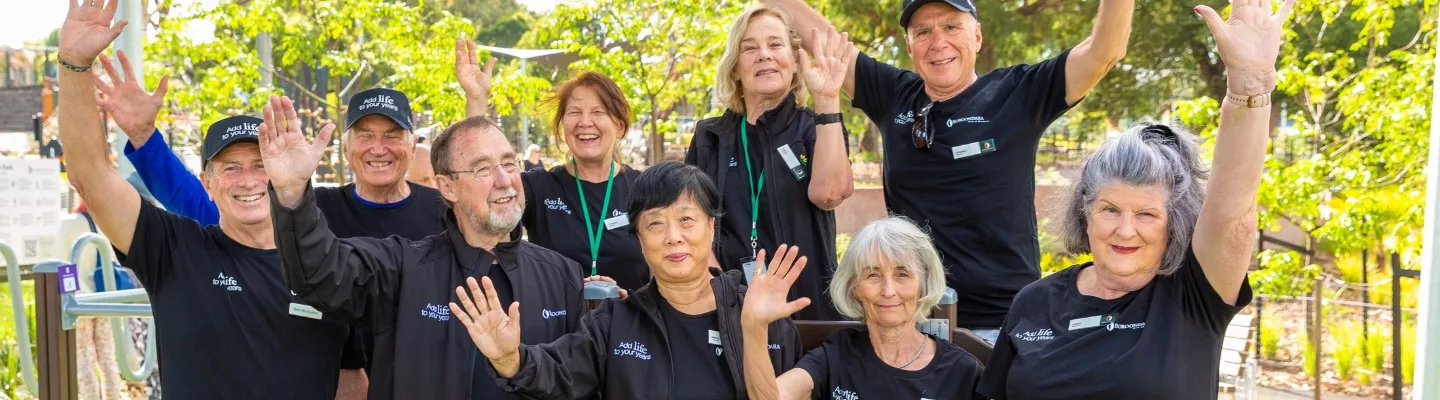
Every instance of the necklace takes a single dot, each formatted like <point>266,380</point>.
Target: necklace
<point>916,356</point>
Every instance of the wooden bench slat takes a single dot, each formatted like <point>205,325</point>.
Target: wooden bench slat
<point>1229,369</point>
<point>1238,345</point>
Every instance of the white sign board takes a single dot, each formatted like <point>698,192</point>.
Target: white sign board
<point>30,207</point>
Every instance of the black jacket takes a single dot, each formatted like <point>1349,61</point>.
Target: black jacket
<point>401,289</point>
<point>629,338</point>
<point>717,141</point>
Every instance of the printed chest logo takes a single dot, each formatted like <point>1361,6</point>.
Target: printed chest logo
<point>557,204</point>
<point>546,314</point>
<point>965,120</point>
<point>1113,326</point>
<point>436,312</point>
<point>905,119</point>
<point>227,282</point>
<point>1038,335</point>
<point>842,394</point>
<point>732,162</point>
<point>632,349</point>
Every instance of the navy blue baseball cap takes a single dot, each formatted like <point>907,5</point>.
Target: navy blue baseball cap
<point>228,131</point>
<point>912,5</point>
<point>388,102</point>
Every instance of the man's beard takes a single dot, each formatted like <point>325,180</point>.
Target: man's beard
<point>499,222</point>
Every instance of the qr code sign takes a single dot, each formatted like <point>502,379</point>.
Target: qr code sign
<point>32,248</point>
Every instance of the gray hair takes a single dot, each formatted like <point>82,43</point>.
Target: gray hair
<point>899,241</point>
<point>1149,154</point>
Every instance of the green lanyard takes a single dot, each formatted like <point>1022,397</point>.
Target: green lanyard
<point>593,231</point>
<point>757,184</point>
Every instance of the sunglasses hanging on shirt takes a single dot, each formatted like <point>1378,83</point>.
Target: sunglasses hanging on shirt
<point>921,133</point>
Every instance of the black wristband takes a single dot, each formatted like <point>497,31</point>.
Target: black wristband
<point>831,118</point>
<point>74,67</point>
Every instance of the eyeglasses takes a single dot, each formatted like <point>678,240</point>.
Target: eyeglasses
<point>509,166</point>
<point>921,133</point>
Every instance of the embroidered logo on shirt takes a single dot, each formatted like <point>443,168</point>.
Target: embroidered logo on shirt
<point>774,346</point>
<point>1038,335</point>
<point>228,282</point>
<point>1113,326</point>
<point>632,349</point>
<point>842,394</point>
<point>965,120</point>
<point>557,204</point>
<point>546,314</point>
<point>905,119</point>
<point>436,312</point>
<point>732,161</point>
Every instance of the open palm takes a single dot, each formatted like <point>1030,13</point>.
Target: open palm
<point>87,30</point>
<point>826,74</point>
<point>127,102</point>
<point>765,299</point>
<point>495,333</point>
<point>1249,43</point>
<point>290,159</point>
<point>474,80</point>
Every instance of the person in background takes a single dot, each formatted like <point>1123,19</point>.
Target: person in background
<point>783,167</point>
<point>937,121</point>
<point>532,158</point>
<point>421,172</point>
<point>1147,318</point>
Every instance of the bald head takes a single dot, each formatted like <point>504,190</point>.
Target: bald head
<point>421,172</point>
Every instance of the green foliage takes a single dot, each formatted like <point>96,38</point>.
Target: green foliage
<point>1270,335</point>
<point>842,243</point>
<point>1407,355</point>
<point>1308,356</point>
<point>1283,273</point>
<point>1375,344</point>
<point>1051,262</point>
<point>12,386</point>
<point>1348,345</point>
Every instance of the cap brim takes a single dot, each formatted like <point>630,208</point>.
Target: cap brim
<point>357,118</point>
<point>246,139</point>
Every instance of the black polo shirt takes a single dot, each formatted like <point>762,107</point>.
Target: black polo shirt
<point>846,367</point>
<point>227,327</point>
<point>974,189</point>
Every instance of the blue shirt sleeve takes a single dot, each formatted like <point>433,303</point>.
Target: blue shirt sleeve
<point>171,184</point>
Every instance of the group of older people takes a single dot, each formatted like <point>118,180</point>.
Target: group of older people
<point>716,255</point>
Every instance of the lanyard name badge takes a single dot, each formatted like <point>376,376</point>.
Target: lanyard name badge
<point>757,184</point>
<point>593,231</point>
<point>1092,321</point>
<point>796,168</point>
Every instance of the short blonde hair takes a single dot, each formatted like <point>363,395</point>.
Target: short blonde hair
<point>728,92</point>
<point>899,241</point>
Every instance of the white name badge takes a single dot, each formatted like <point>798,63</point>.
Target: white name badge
<point>1091,322</point>
<point>715,338</point>
<point>984,146</point>
<point>617,221</point>
<point>791,161</point>
<point>302,310</point>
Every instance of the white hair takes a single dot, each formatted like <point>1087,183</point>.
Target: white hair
<point>899,241</point>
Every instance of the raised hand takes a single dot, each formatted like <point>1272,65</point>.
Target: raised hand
<point>474,80</point>
<point>290,159</point>
<point>765,299</point>
<point>495,333</point>
<point>1249,43</point>
<point>87,30</point>
<point>826,74</point>
<point>133,109</point>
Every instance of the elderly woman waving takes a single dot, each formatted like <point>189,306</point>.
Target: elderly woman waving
<point>890,278</point>
<point>1146,319</point>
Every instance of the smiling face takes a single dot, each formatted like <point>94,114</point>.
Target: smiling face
<point>1128,230</point>
<point>590,130</point>
<point>889,293</point>
<point>235,179</point>
<point>766,68</point>
<point>942,42</point>
<point>379,151</point>
<point>676,240</point>
<point>484,185</point>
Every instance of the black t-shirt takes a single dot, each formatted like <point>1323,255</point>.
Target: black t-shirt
<point>419,215</point>
<point>482,385</point>
<point>224,321</point>
<point>553,221</point>
<point>846,367</point>
<point>535,165</point>
<point>980,207</point>
<point>699,364</point>
<point>1159,342</point>
<point>735,222</point>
